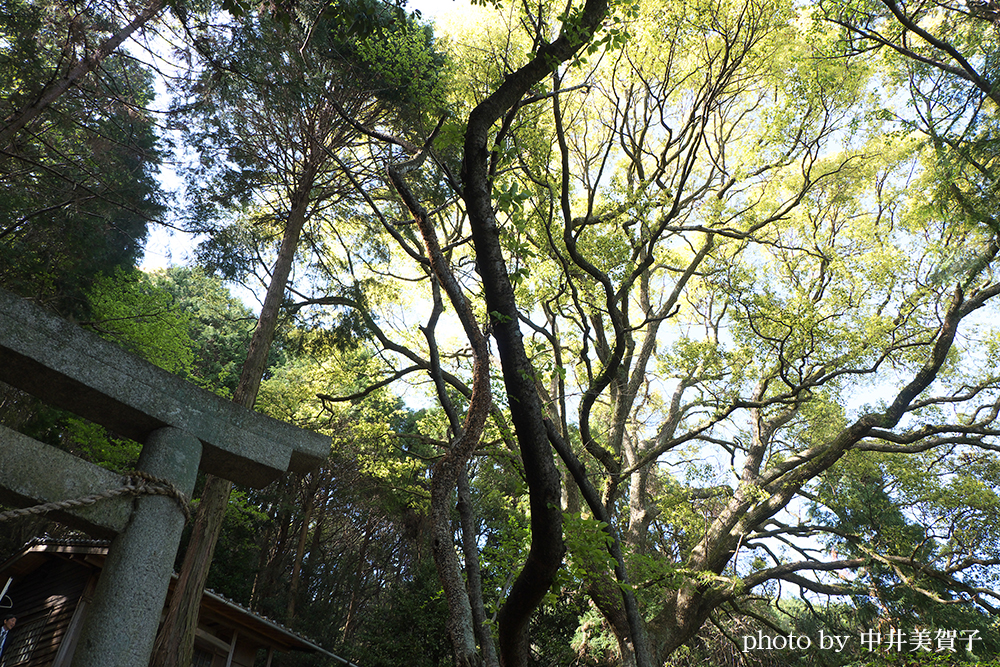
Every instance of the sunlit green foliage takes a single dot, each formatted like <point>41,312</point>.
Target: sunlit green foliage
<point>219,326</point>
<point>133,312</point>
<point>739,233</point>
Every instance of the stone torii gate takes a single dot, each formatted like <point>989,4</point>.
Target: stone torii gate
<point>182,428</point>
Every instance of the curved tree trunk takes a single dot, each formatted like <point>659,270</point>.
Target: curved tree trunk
<point>543,479</point>
<point>446,472</point>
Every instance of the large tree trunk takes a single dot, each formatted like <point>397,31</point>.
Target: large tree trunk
<point>175,643</point>
<point>446,472</point>
<point>543,479</point>
<point>605,592</point>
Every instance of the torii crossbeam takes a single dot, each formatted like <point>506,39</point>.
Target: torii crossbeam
<point>183,427</point>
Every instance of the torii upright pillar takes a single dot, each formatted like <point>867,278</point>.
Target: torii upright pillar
<point>183,428</point>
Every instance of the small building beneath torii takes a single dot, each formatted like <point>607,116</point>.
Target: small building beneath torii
<point>52,581</point>
<point>182,428</point>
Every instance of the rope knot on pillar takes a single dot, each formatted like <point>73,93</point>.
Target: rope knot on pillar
<point>134,483</point>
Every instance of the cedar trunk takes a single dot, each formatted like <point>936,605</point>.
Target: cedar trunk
<point>175,642</point>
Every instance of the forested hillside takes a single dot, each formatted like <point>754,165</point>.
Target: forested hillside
<point>647,332</point>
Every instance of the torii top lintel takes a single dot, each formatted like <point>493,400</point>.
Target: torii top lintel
<point>79,371</point>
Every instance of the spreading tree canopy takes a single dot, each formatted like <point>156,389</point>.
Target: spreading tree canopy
<point>698,302</point>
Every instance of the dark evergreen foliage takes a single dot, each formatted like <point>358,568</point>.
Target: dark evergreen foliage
<point>77,186</point>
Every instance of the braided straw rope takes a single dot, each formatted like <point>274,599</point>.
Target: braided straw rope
<point>136,483</point>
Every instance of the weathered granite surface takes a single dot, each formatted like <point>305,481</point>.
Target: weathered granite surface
<point>72,368</point>
<point>33,473</point>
